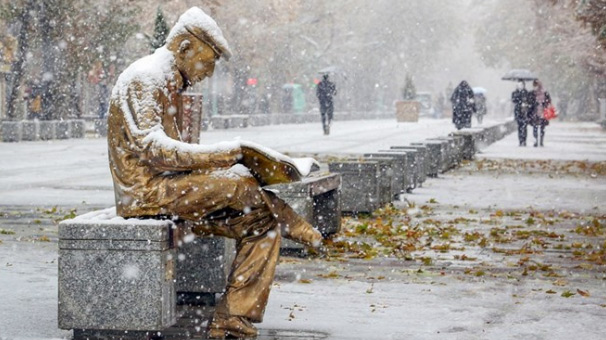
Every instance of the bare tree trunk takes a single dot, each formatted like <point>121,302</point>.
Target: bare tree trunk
<point>17,67</point>
<point>49,69</point>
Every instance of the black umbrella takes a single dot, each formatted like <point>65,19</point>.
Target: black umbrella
<point>519,75</point>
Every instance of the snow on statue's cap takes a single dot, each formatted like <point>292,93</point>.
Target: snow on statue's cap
<point>203,27</point>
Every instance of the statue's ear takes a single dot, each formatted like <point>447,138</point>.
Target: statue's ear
<point>185,46</point>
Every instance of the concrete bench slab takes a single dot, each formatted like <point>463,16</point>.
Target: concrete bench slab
<point>100,127</point>
<point>360,187</point>
<point>47,130</point>
<point>414,165</point>
<point>436,155</point>
<point>62,129</point>
<point>419,165</point>
<point>452,151</point>
<point>11,131</point>
<point>116,273</point>
<point>402,177</point>
<point>29,130</point>
<point>317,199</point>
<point>77,128</point>
<point>388,187</point>
<point>203,265</point>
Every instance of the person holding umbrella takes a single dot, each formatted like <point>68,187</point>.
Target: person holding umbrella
<point>480,102</point>
<point>520,99</point>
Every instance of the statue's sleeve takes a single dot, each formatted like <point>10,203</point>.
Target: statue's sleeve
<point>162,152</point>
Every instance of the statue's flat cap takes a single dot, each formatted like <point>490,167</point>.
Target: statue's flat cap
<point>203,27</point>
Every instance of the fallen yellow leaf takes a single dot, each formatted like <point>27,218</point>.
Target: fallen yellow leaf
<point>583,293</point>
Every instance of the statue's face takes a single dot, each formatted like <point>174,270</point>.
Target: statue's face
<point>196,60</point>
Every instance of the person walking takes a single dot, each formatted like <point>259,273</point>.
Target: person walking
<point>325,91</point>
<point>462,105</point>
<point>539,100</point>
<point>519,97</point>
<point>481,109</point>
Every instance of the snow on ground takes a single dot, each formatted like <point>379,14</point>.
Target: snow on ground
<point>511,191</point>
<point>433,308</point>
<point>563,141</point>
<point>540,190</point>
<point>28,291</point>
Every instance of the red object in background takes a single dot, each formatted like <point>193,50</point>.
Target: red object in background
<point>252,81</point>
<point>550,112</point>
<point>316,81</point>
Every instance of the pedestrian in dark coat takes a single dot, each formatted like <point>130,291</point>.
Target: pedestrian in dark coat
<point>538,100</point>
<point>481,109</point>
<point>519,97</point>
<point>462,105</point>
<point>325,91</point>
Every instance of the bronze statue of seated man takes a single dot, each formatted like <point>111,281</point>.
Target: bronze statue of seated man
<point>156,172</point>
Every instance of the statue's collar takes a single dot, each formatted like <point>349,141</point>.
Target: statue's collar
<point>178,83</point>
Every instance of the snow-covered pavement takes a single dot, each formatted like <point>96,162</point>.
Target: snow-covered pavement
<point>539,179</point>
<point>431,296</point>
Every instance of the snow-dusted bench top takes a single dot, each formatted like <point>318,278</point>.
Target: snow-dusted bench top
<point>316,198</point>
<point>103,229</point>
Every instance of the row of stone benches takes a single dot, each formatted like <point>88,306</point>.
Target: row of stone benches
<point>117,274</point>
<point>32,130</point>
<point>377,178</point>
<point>242,121</point>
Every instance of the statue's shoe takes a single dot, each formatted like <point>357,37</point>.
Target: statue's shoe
<point>303,233</point>
<point>229,327</point>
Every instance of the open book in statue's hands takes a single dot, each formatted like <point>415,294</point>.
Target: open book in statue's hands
<point>271,167</point>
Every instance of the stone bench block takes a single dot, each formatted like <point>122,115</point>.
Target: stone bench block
<point>396,171</point>
<point>203,266</point>
<point>219,122</point>
<point>453,151</point>
<point>205,124</point>
<point>459,143</point>
<point>422,160</point>
<point>316,199</point>
<point>446,147</point>
<point>360,185</point>
<point>62,129</point>
<point>11,131</point>
<point>259,120</point>
<point>436,155</point>
<point>414,165</point>
<point>402,177</point>
<point>116,274</point>
<point>46,130</point>
<point>473,140</point>
<point>77,128</point>
<point>388,187</point>
<point>100,127</point>
<point>237,121</point>
<point>29,130</point>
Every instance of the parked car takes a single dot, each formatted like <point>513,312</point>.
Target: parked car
<point>427,109</point>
